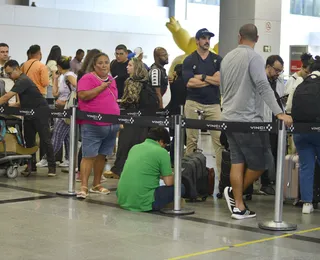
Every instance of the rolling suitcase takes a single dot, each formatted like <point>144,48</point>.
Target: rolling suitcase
<point>291,178</point>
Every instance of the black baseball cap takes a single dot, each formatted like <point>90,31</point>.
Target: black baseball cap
<point>203,32</point>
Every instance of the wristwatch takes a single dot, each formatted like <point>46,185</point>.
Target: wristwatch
<point>204,76</point>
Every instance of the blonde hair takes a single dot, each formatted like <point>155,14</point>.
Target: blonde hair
<point>139,71</point>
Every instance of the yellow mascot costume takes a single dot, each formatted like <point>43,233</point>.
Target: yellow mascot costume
<point>184,41</point>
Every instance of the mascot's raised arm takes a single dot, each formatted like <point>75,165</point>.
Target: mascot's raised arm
<point>184,41</point>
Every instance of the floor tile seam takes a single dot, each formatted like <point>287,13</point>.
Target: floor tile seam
<point>25,199</point>
<point>193,219</point>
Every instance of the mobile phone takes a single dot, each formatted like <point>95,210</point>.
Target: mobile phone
<point>107,80</point>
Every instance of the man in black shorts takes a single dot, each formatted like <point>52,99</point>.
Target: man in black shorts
<point>30,97</point>
<point>244,87</point>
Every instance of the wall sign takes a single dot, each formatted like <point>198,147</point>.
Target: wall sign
<point>295,53</point>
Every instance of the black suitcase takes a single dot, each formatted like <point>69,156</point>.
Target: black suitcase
<point>195,176</point>
<point>316,186</point>
<point>225,176</point>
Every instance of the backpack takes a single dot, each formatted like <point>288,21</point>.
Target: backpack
<point>195,61</point>
<point>148,98</point>
<point>305,102</point>
<point>70,101</point>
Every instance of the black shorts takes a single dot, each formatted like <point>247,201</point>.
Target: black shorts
<point>249,148</point>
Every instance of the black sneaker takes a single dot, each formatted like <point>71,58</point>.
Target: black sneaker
<point>228,195</point>
<point>268,190</point>
<point>246,213</point>
<point>52,172</point>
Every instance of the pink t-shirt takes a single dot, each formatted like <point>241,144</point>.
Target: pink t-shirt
<point>104,103</point>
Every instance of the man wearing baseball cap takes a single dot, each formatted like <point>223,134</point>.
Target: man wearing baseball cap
<point>201,75</point>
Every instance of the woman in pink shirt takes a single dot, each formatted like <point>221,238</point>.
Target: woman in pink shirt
<point>98,139</point>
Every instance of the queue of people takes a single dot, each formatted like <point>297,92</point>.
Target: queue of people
<point>205,81</point>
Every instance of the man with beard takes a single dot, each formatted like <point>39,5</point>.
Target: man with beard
<point>274,68</point>
<point>202,77</point>
<point>157,74</point>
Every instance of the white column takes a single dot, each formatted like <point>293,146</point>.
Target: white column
<point>180,10</point>
<point>265,14</point>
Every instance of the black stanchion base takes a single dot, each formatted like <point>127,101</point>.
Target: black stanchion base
<point>66,193</point>
<point>277,226</point>
<point>181,212</point>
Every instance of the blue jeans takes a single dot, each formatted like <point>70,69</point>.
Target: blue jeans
<point>98,140</point>
<point>308,148</point>
<point>164,195</point>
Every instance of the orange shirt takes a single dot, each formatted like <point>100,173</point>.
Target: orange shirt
<point>38,73</point>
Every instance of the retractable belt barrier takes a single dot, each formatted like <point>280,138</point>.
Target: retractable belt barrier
<point>162,118</point>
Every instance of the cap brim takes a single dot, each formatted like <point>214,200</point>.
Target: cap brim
<point>209,34</point>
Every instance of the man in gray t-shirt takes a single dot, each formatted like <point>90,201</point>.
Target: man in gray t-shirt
<point>245,89</point>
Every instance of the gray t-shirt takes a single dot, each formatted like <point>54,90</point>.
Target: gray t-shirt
<point>244,86</point>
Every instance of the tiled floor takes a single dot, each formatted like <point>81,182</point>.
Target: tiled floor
<point>36,224</point>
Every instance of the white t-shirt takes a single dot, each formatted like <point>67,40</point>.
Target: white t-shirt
<point>293,82</point>
<point>64,90</point>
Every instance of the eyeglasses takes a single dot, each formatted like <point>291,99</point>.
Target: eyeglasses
<point>278,70</point>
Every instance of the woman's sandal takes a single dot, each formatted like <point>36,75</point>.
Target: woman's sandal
<point>99,190</point>
<point>83,193</point>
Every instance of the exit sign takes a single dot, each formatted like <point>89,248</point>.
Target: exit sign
<point>266,48</point>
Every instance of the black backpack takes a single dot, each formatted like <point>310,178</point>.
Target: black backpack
<point>306,100</point>
<point>148,98</point>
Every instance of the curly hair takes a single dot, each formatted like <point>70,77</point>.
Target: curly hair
<point>139,71</point>
<point>134,84</point>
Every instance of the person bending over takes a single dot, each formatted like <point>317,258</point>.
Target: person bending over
<point>147,163</point>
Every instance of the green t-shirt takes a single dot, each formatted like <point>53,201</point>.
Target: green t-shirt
<point>141,175</point>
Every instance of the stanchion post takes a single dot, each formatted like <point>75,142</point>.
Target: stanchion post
<point>72,155</point>
<point>277,224</point>
<point>178,148</point>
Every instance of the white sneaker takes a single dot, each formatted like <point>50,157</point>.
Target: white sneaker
<point>307,208</point>
<point>64,164</point>
<point>42,163</point>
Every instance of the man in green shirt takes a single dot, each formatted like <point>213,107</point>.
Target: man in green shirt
<point>138,187</point>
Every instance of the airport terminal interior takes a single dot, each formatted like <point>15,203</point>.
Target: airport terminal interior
<point>36,223</point>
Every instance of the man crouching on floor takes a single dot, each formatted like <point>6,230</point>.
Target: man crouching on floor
<point>147,163</point>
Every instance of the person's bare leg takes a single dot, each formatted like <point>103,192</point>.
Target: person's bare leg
<point>250,177</point>
<point>236,179</point>
<point>86,168</point>
<point>99,164</point>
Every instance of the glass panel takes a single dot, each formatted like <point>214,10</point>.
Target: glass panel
<point>296,6</point>
<point>205,2</point>
<point>308,7</point>
<point>316,8</point>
